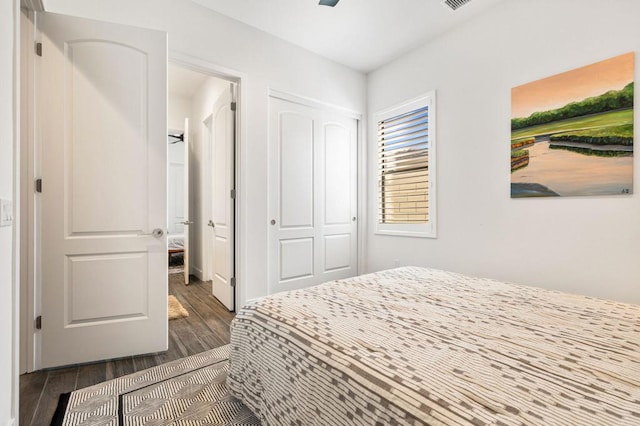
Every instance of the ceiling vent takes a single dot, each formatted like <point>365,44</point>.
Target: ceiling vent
<point>455,4</point>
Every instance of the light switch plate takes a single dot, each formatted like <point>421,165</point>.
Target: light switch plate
<point>6,213</point>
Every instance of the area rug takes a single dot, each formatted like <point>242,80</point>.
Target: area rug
<point>189,391</point>
<point>179,269</point>
<point>176,263</point>
<point>176,310</point>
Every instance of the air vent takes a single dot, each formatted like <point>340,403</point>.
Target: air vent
<point>455,4</point>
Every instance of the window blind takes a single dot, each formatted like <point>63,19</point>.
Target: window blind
<point>403,161</point>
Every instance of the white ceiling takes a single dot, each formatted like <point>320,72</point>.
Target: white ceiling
<point>361,34</point>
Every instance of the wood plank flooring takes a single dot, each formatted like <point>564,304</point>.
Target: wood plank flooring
<point>207,327</point>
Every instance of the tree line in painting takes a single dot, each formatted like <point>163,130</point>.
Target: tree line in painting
<point>615,135</point>
<point>609,101</point>
<point>595,121</point>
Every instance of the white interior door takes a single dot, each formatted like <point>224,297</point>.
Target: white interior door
<point>175,190</point>
<point>313,196</point>
<point>223,208</point>
<point>101,114</point>
<point>209,234</point>
<point>187,218</point>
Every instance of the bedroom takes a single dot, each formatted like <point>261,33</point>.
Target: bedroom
<point>581,245</point>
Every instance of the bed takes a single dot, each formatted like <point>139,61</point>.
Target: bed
<point>175,244</point>
<point>422,346</point>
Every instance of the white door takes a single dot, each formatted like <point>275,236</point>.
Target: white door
<point>101,114</point>
<point>223,208</point>
<point>209,234</point>
<point>313,196</point>
<point>187,220</point>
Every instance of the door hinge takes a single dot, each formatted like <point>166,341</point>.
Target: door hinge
<point>233,194</point>
<point>38,185</point>
<point>233,281</point>
<point>39,322</point>
<point>234,106</point>
<point>39,49</point>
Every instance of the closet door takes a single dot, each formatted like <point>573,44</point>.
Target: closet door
<point>312,196</point>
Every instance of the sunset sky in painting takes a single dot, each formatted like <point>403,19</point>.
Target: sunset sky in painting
<point>561,89</point>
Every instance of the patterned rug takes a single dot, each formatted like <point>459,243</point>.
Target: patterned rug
<point>185,392</point>
<point>179,269</point>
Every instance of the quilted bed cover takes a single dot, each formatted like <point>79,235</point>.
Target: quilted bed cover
<point>422,346</point>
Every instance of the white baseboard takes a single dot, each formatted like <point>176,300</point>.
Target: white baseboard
<point>197,272</point>
<point>11,422</point>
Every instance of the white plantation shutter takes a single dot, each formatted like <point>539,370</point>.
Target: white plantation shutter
<point>406,147</point>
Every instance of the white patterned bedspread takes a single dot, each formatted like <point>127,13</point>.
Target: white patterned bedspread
<point>421,346</point>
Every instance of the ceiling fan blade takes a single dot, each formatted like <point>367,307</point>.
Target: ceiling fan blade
<point>328,2</point>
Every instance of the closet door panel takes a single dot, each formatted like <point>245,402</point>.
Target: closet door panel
<point>337,166</point>
<point>294,237</point>
<point>296,258</point>
<point>339,228</point>
<point>296,169</point>
<point>337,252</point>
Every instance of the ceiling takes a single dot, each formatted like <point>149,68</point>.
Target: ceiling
<point>361,34</point>
<point>183,82</point>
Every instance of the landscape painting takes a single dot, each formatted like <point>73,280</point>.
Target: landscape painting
<point>572,134</point>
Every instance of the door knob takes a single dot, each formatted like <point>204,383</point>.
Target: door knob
<point>353,219</point>
<point>211,224</point>
<point>273,221</point>
<point>156,233</point>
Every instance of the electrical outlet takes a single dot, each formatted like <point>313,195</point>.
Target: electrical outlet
<point>6,213</point>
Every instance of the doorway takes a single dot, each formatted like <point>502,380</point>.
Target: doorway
<point>201,174</point>
<point>125,174</point>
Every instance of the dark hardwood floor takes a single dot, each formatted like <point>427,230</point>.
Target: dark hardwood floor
<point>206,327</point>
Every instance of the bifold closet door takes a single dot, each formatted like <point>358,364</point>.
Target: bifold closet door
<point>312,195</point>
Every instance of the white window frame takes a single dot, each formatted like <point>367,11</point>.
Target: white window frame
<point>423,230</point>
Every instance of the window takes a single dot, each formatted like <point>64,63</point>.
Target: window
<point>406,169</point>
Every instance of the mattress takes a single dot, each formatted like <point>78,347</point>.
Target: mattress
<point>175,241</point>
<point>420,346</point>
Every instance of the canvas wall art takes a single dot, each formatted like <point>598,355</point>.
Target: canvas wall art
<point>572,133</point>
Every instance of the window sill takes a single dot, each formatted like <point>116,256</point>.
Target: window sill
<point>413,234</point>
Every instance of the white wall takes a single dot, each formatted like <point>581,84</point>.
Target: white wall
<point>179,108</point>
<point>584,245</point>
<point>8,307</point>
<point>267,62</point>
